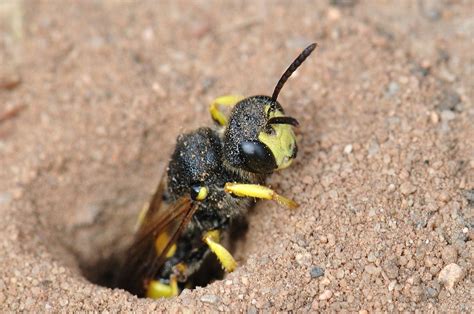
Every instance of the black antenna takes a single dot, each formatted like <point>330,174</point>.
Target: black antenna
<point>292,68</point>
<point>283,120</point>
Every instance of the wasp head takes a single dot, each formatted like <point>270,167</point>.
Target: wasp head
<point>259,137</point>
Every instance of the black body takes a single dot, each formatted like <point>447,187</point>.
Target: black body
<point>198,160</point>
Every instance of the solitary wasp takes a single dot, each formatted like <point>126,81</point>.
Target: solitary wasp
<point>213,178</point>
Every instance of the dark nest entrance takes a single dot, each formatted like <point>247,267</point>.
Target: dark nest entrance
<point>101,262</point>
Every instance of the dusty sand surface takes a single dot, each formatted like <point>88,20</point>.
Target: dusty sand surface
<point>93,95</point>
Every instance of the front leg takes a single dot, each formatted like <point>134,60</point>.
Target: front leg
<point>258,191</point>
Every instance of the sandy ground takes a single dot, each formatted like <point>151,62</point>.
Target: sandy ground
<point>94,93</point>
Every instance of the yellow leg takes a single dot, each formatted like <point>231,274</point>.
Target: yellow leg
<point>225,258</point>
<point>228,100</point>
<point>258,191</point>
<point>157,289</point>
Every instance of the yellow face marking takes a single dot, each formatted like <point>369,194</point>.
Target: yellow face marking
<point>282,143</point>
<point>202,193</point>
<point>160,244</point>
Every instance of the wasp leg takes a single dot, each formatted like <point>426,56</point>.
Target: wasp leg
<point>216,113</point>
<point>156,289</point>
<point>258,191</point>
<point>225,258</point>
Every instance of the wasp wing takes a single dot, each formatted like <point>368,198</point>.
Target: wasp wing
<point>157,199</point>
<point>145,256</point>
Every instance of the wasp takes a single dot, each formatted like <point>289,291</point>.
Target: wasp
<point>214,176</point>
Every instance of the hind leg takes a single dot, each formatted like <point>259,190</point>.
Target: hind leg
<point>212,238</point>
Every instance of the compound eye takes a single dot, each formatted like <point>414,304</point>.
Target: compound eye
<point>257,157</point>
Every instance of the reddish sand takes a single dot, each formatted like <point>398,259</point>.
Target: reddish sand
<point>94,93</point>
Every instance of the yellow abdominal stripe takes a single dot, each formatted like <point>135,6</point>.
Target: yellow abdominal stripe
<point>282,143</point>
<point>160,245</point>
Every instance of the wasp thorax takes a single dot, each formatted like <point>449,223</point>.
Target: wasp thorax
<point>254,143</point>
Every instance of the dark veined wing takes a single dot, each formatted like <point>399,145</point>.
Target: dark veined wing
<point>144,257</point>
<point>156,201</point>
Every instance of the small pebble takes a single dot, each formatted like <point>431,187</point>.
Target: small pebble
<point>449,101</point>
<point>431,292</point>
<point>372,269</point>
<point>331,240</point>
<point>392,285</point>
<point>340,274</point>
<point>444,196</point>
<point>63,302</point>
<point>391,268</point>
<point>371,257</point>
<point>316,272</point>
<point>434,118</point>
<point>407,188</point>
<point>447,115</point>
<point>348,149</point>
<point>450,275</point>
<point>210,298</point>
<point>326,295</point>
<point>323,239</point>
<point>449,254</point>
<point>392,88</point>
<point>303,259</point>
<point>325,281</point>
<point>391,187</point>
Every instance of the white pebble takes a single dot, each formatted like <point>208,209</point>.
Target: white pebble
<point>450,275</point>
<point>348,149</point>
<point>326,295</point>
